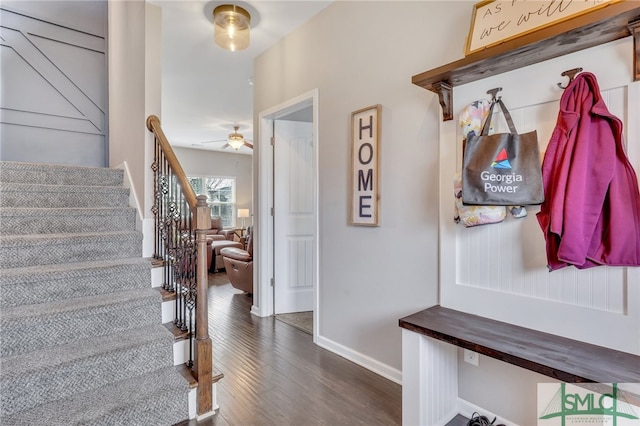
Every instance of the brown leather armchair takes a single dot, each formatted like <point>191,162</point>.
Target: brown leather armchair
<point>239,264</point>
<point>216,233</point>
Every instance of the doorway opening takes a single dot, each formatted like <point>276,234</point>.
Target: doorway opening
<point>286,258</point>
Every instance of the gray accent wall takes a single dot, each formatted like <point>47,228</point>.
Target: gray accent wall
<point>54,82</point>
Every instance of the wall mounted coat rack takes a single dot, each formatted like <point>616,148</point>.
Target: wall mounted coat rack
<point>617,20</point>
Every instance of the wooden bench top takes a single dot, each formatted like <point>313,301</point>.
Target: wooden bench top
<point>565,359</point>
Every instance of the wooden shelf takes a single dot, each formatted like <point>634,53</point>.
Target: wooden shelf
<point>604,25</point>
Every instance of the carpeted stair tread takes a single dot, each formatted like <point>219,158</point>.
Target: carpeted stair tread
<point>37,249</point>
<point>49,196</point>
<point>30,327</point>
<point>49,283</point>
<point>120,403</point>
<point>74,352</point>
<point>70,269</point>
<point>21,221</point>
<point>46,188</point>
<point>17,240</point>
<point>22,312</point>
<point>61,371</point>
<point>81,339</point>
<point>13,171</point>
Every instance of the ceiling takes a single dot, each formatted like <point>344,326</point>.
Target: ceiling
<point>206,90</point>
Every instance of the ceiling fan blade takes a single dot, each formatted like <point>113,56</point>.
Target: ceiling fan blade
<point>219,140</point>
<point>248,145</point>
<point>225,146</point>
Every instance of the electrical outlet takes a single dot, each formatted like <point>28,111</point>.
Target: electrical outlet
<point>471,357</point>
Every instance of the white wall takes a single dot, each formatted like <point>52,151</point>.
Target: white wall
<point>127,88</point>
<point>134,42</point>
<point>134,55</point>
<point>198,162</point>
<point>153,94</point>
<point>358,54</point>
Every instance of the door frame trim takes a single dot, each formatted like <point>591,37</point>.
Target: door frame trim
<point>263,304</point>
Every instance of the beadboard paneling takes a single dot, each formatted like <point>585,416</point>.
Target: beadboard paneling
<point>499,270</point>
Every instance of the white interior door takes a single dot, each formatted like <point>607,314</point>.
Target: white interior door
<point>294,217</point>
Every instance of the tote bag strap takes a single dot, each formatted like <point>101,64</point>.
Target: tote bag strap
<point>507,116</point>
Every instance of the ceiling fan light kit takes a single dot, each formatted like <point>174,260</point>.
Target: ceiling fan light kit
<point>231,27</point>
<point>236,140</point>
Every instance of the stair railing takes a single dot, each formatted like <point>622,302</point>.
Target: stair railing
<point>181,222</point>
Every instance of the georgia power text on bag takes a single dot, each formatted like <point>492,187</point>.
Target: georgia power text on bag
<point>503,168</point>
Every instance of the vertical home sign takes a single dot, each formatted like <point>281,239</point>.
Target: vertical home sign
<point>365,160</point>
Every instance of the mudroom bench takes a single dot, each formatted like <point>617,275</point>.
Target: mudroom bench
<point>430,359</point>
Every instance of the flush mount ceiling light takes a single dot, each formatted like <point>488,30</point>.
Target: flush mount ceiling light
<point>231,26</point>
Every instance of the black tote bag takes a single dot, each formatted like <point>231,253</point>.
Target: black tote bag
<point>502,169</point>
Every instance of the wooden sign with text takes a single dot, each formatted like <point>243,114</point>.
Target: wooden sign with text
<point>496,21</point>
<point>365,152</point>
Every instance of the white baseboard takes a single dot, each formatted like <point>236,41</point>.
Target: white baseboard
<point>144,225</point>
<point>467,409</point>
<point>257,311</point>
<point>369,363</point>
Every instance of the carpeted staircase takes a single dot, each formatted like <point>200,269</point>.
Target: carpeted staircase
<point>81,339</point>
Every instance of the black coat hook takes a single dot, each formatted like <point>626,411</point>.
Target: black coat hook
<point>494,93</point>
<point>571,74</point>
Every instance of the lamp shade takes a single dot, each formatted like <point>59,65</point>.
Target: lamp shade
<point>243,212</point>
<point>231,25</point>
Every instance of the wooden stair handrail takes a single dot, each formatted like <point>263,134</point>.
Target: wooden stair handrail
<point>201,216</point>
<point>153,124</point>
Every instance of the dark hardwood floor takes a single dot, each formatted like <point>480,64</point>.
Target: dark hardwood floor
<point>275,375</point>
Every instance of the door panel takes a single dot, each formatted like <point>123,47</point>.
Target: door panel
<point>294,217</point>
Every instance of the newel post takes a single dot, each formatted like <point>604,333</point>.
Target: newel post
<point>203,362</point>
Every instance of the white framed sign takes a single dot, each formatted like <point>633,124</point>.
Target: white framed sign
<point>496,21</point>
<point>365,161</point>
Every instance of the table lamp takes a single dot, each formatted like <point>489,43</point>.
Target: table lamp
<point>243,213</point>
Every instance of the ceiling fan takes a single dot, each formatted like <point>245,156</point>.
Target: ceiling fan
<point>235,140</point>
